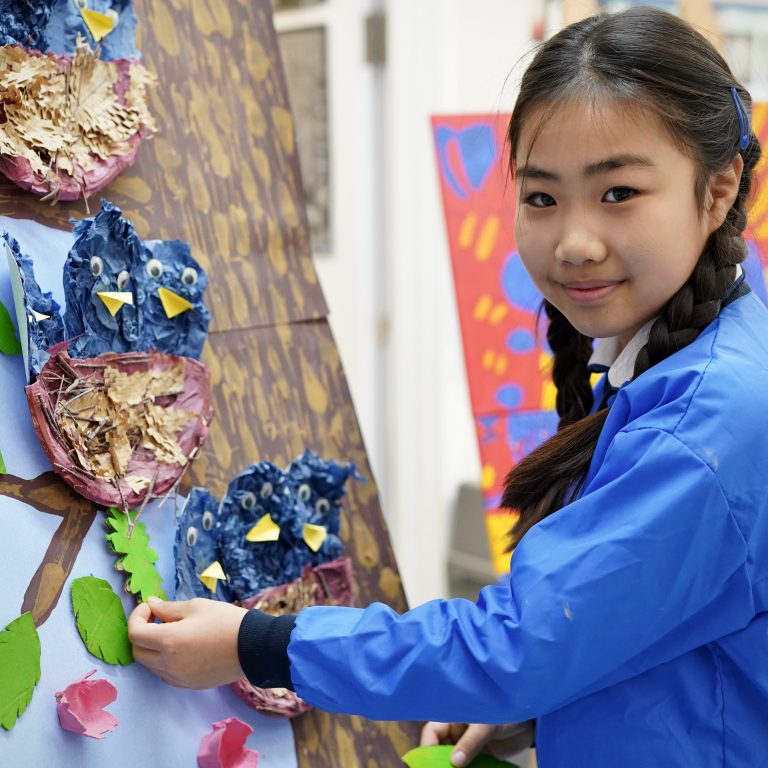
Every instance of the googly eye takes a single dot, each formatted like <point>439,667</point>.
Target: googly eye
<point>207,521</point>
<point>189,276</point>
<point>97,266</point>
<point>323,506</point>
<point>122,279</point>
<point>191,535</point>
<point>114,15</point>
<point>304,492</point>
<point>248,501</point>
<point>154,268</point>
<point>266,490</point>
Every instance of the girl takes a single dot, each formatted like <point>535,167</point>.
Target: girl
<point>633,626</point>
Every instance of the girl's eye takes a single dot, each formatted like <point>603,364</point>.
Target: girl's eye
<point>122,279</point>
<point>207,521</point>
<point>618,195</point>
<point>540,200</point>
<point>191,535</point>
<point>154,268</point>
<point>97,266</point>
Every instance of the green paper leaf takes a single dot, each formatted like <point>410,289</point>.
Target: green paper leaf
<point>101,620</point>
<point>137,557</point>
<point>9,343</point>
<point>19,668</point>
<point>3,470</point>
<point>440,757</point>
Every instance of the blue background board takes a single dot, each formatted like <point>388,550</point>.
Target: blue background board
<point>159,725</point>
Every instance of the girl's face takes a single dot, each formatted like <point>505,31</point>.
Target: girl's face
<point>607,222</point>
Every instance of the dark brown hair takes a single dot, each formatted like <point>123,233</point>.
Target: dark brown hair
<point>650,59</point>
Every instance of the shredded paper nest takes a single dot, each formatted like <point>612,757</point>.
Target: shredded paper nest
<point>121,428</point>
<point>70,124</point>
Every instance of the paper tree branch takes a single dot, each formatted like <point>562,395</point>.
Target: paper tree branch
<point>19,668</point>
<point>49,494</point>
<point>101,620</point>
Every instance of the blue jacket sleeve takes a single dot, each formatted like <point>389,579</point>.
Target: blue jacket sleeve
<point>646,565</point>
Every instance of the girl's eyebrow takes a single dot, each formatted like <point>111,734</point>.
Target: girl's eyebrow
<point>595,169</point>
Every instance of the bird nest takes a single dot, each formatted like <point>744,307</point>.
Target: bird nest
<point>121,428</point>
<point>70,124</point>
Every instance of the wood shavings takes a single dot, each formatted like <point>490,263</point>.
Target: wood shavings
<point>65,117</point>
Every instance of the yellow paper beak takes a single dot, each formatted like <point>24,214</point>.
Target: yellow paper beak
<point>266,529</point>
<point>99,24</point>
<point>115,299</point>
<point>39,316</point>
<point>213,573</point>
<point>314,536</point>
<point>173,304</point>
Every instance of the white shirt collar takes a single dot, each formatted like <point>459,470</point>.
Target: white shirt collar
<point>621,365</point>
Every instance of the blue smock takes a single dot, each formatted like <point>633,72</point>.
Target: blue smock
<point>634,622</point>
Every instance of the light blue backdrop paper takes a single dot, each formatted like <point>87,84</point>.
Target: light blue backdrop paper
<point>159,725</point>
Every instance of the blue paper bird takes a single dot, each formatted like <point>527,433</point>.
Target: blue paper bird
<point>23,23</point>
<point>169,293</point>
<point>317,487</point>
<point>257,540</point>
<point>199,571</point>
<point>45,328</point>
<point>98,276</point>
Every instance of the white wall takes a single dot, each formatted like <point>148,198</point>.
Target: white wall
<point>388,281</point>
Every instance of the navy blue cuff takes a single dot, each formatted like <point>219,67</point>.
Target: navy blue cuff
<point>262,647</point>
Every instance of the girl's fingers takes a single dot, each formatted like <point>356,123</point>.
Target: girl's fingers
<point>471,743</point>
<point>433,734</point>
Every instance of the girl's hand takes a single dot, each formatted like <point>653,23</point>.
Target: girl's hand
<point>195,646</point>
<point>501,741</point>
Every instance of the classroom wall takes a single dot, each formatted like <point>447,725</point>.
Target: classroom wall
<point>388,281</point>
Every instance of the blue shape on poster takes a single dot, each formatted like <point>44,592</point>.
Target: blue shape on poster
<point>527,430</point>
<point>753,270</point>
<point>45,328</point>
<point>509,396</point>
<point>66,23</point>
<point>517,286</point>
<point>521,340</point>
<point>477,150</point>
<point>198,530</point>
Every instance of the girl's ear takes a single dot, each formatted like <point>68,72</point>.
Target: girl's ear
<point>721,193</point>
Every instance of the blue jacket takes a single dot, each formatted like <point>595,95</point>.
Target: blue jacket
<point>634,622</point>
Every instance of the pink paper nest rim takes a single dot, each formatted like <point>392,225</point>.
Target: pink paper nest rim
<point>108,447</point>
<point>327,584</point>
<point>80,707</point>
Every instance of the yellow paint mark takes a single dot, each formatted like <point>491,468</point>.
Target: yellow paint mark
<point>500,311</point>
<point>483,306</point>
<point>287,205</point>
<point>489,356</point>
<point>488,478</point>
<point>545,363</point>
<point>365,544</point>
<point>133,187</point>
<point>283,123</point>
<point>279,307</point>
<point>209,20</point>
<point>161,19</point>
<point>467,230</point>
<point>165,154</point>
<point>255,58</point>
<point>239,219</point>
<point>199,186</point>
<point>276,248</point>
<point>548,395</point>
<point>317,395</point>
<point>238,303</point>
<point>263,169</point>
<point>486,241</point>
<point>255,120</point>
<point>500,368</point>
<point>221,232</point>
<point>389,583</point>
<point>308,271</point>
<point>248,184</point>
<point>497,526</point>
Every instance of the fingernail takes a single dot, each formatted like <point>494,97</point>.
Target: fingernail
<point>154,599</point>
<point>458,758</point>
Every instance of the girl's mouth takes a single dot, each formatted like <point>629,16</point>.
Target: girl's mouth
<point>584,293</point>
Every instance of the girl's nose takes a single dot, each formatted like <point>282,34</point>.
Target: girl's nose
<point>578,245</point>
